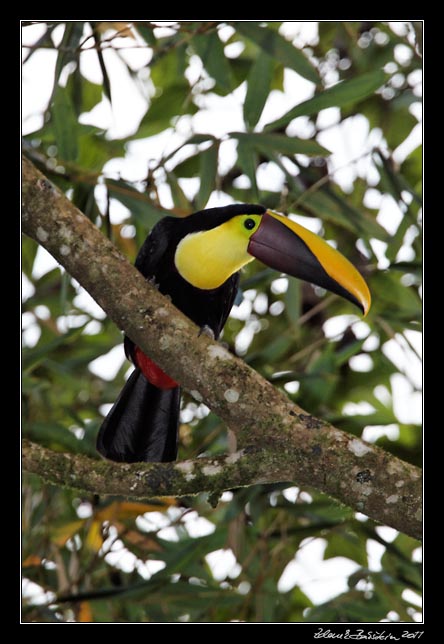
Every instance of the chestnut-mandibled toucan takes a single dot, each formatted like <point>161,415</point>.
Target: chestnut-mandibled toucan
<point>196,261</point>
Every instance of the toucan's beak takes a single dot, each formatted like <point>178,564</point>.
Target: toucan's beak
<point>284,245</point>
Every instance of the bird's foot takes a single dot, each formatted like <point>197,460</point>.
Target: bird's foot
<point>208,331</point>
<point>152,281</point>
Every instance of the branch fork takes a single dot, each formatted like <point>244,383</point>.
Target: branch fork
<point>277,440</point>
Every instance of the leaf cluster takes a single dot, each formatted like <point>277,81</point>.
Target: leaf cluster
<point>91,557</point>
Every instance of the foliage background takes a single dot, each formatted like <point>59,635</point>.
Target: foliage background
<point>199,559</point>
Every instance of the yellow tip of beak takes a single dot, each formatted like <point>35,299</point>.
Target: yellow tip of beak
<point>365,298</point>
<point>350,281</point>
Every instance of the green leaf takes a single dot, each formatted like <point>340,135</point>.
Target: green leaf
<point>210,50</point>
<point>173,101</point>
<point>364,223</point>
<point>322,380</point>
<point>48,293</point>
<point>278,48</point>
<point>275,350</point>
<point>299,599</point>
<point>248,161</point>
<point>95,151</point>
<point>327,204</point>
<point>195,139</point>
<point>65,125</point>
<point>240,68</point>
<point>189,167</point>
<point>347,544</point>
<point>397,239</point>
<point>412,169</point>
<point>55,436</point>
<point>399,125</point>
<point>394,182</point>
<point>268,143</point>
<point>106,81</point>
<point>352,606</point>
<point>324,511</point>
<point>350,349</point>
<point>258,88</point>
<point>396,301</point>
<point>84,94</point>
<point>169,63</point>
<point>137,203</point>
<point>168,104</point>
<point>68,49</point>
<point>293,301</point>
<point>208,173</point>
<point>147,33</point>
<point>74,87</point>
<point>29,251</point>
<point>180,199</point>
<point>83,197</point>
<point>34,356</point>
<point>343,93</point>
<point>191,550</point>
<point>396,564</point>
<point>91,95</point>
<point>277,82</point>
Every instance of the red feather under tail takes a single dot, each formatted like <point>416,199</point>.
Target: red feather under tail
<point>152,372</point>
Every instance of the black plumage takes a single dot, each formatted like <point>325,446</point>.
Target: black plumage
<point>143,423</point>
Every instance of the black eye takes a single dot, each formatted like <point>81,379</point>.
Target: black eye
<point>249,224</point>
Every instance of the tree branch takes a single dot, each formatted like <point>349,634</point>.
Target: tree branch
<point>142,480</point>
<point>277,440</point>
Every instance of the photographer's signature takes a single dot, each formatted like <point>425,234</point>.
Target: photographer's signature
<point>360,634</point>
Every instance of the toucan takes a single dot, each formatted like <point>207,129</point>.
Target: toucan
<point>196,261</point>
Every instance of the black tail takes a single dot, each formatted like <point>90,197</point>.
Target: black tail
<point>142,424</point>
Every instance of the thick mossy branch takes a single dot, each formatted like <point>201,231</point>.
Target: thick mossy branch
<point>278,441</point>
<point>142,480</point>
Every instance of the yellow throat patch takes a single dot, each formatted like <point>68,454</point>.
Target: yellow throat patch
<point>207,258</point>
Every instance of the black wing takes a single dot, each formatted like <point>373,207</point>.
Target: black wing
<point>148,258</point>
<point>228,295</point>
<point>155,246</point>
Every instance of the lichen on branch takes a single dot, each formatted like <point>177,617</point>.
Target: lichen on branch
<point>277,440</point>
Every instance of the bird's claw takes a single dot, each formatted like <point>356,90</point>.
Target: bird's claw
<point>208,331</point>
<point>152,280</point>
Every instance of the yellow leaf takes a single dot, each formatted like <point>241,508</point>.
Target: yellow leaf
<point>84,613</point>
<point>130,510</point>
<point>61,534</point>
<point>32,560</point>
<point>94,539</point>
